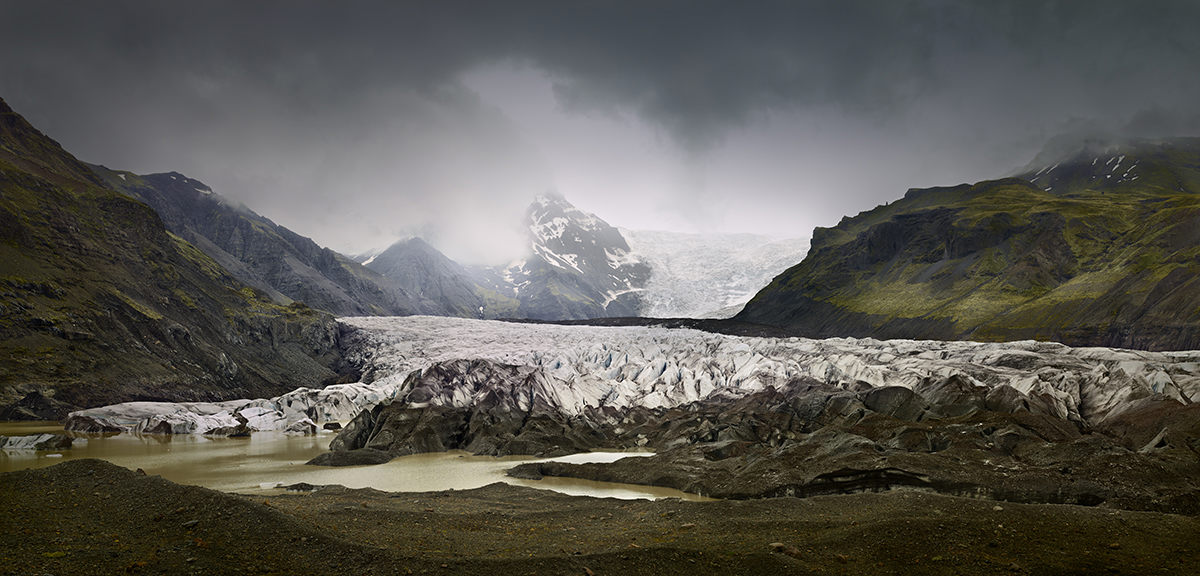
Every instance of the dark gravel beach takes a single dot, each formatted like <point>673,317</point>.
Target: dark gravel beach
<point>91,517</point>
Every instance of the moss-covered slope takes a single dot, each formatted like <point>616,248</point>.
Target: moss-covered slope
<point>1102,248</point>
<point>99,303</point>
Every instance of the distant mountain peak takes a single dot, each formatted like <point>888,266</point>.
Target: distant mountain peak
<point>548,197</point>
<point>549,218</point>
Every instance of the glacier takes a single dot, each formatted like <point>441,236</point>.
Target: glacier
<point>708,275</point>
<point>587,367</point>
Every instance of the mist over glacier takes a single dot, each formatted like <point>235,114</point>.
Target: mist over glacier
<point>708,275</point>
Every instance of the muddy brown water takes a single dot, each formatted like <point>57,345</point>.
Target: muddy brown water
<point>266,460</point>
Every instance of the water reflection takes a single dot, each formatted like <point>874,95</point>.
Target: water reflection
<point>268,459</point>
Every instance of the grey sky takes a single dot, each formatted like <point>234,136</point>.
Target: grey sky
<point>357,122</point>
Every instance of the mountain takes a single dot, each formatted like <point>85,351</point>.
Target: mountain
<point>442,286</point>
<point>579,266</point>
<point>285,265</point>
<point>100,303</point>
<point>1098,248</point>
<point>708,275</point>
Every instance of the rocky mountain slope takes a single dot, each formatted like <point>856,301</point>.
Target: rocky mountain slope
<point>708,275</point>
<point>101,303</point>
<point>579,267</point>
<point>1101,248</point>
<point>442,286</point>
<point>285,265</point>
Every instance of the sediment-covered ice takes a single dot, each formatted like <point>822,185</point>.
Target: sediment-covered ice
<point>36,442</point>
<point>589,366</point>
<point>659,367</point>
<point>298,411</point>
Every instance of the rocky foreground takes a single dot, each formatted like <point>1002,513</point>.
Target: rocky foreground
<point>90,517</point>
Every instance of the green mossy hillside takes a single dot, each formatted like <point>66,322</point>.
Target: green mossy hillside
<point>1082,253</point>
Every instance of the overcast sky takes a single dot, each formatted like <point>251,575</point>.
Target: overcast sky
<point>356,123</point>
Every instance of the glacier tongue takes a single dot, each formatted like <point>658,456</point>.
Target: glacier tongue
<point>582,367</point>
<point>653,367</point>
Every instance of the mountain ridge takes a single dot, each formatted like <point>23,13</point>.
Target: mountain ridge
<point>287,266</point>
<point>441,284</point>
<point>577,266</point>
<point>1080,252</point>
<point>607,278</point>
<point>102,304</point>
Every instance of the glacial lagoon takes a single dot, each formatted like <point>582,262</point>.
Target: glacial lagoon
<point>265,461</point>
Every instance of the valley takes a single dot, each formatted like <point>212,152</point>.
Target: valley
<point>998,377</point>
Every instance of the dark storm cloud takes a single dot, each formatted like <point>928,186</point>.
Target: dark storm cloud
<point>698,68</point>
<point>321,113</point>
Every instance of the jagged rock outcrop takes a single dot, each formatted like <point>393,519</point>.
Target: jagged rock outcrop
<point>474,405</point>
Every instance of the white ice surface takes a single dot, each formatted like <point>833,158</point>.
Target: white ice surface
<point>588,366</point>
<point>698,275</point>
